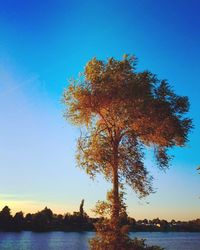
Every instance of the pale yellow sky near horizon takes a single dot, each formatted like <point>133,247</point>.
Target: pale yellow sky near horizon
<point>141,210</point>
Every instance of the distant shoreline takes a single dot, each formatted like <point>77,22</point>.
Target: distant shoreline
<point>46,221</point>
<point>88,231</point>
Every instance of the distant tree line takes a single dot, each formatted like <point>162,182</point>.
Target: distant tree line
<point>45,220</point>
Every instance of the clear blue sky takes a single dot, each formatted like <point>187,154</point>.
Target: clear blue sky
<point>44,43</point>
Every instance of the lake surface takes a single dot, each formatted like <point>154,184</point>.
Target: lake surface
<point>79,241</point>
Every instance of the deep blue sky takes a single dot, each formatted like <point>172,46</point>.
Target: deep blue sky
<point>44,43</point>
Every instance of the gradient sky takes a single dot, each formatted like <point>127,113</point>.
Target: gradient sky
<point>44,43</point>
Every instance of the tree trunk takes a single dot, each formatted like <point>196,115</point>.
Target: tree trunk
<point>116,200</point>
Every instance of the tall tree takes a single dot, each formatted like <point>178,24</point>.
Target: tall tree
<point>81,211</point>
<point>123,112</point>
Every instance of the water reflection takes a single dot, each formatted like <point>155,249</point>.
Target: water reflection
<point>79,241</point>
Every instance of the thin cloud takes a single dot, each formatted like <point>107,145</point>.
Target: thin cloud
<point>20,85</point>
<point>13,197</point>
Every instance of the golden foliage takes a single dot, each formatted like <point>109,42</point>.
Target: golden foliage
<point>128,109</point>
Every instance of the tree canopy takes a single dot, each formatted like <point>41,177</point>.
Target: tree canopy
<point>128,109</point>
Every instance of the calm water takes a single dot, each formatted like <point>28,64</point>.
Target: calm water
<point>79,241</point>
